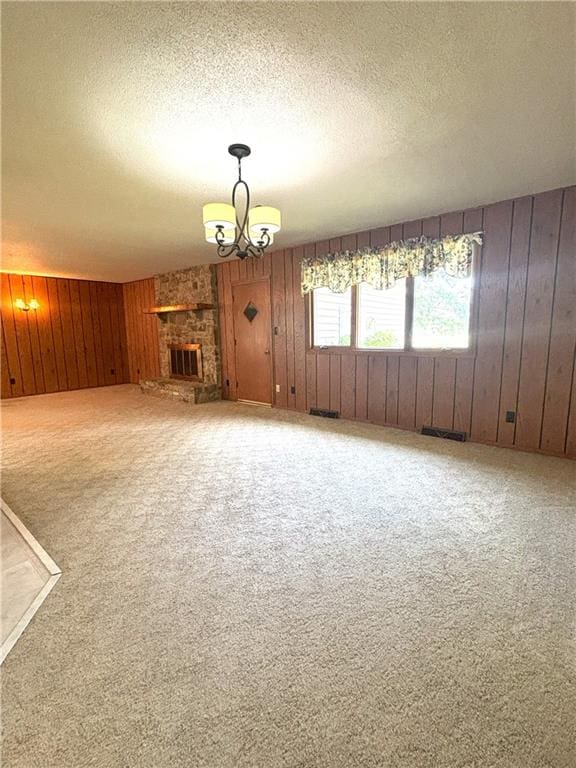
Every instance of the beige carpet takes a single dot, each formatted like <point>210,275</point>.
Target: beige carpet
<point>244,587</point>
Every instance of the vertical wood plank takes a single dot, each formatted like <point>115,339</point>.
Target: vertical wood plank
<point>32,317</point>
<point>412,229</point>
<point>299,331</point>
<point>98,346</point>
<point>445,369</point>
<point>131,341</point>
<point>335,386</point>
<point>78,333</point>
<point>363,240</point>
<point>335,244</point>
<point>463,389</point>
<point>473,221</point>
<point>88,333</point>
<point>349,243</point>
<point>106,333</point>
<point>57,335</point>
<point>407,391</point>
<point>121,325</point>
<point>311,398</point>
<point>112,296</point>
<point>137,334</point>
<point>431,226</point>
<point>424,391</point>
<point>323,380</point>
<point>443,392</point>
<point>379,237</point>
<point>222,321</point>
<point>537,317</point>
<point>39,291</point>
<point>377,389</point>
<point>9,339</point>
<point>491,320</point>
<point>514,326</point>
<point>451,223</point>
<point>23,337</point>
<point>68,333</point>
<point>289,304</point>
<point>279,330</point>
<point>392,376</point>
<point>361,394</point>
<point>107,307</point>
<point>561,350</point>
<point>348,388</point>
<point>5,385</point>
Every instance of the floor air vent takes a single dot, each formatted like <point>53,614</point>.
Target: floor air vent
<point>325,413</point>
<point>448,434</point>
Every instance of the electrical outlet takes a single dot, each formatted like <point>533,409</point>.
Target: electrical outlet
<point>277,387</point>
<point>510,417</point>
<point>292,390</point>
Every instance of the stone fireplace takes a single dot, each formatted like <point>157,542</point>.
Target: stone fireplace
<point>189,338</point>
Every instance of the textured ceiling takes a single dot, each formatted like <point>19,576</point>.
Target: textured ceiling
<point>117,117</point>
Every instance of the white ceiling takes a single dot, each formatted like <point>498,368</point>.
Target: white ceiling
<point>117,118</point>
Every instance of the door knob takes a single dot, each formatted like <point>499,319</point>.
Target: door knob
<point>266,351</point>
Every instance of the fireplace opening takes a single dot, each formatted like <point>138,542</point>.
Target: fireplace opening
<point>186,361</point>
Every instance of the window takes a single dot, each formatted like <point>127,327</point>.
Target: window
<point>425,312</point>
<point>382,316</point>
<point>332,318</point>
<point>441,311</point>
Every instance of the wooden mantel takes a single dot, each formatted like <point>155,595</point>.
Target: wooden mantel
<point>178,308</point>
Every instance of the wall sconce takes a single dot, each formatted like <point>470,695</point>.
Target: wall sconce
<point>27,306</point>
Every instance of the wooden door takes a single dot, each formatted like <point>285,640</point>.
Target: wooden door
<point>252,341</point>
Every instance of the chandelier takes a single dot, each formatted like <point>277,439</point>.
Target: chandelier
<point>246,234</point>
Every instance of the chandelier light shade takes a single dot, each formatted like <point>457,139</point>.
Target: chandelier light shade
<point>240,233</point>
<point>219,215</point>
<point>264,218</point>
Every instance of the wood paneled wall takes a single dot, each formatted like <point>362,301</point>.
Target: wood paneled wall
<point>526,334</point>
<point>75,339</point>
<point>141,330</point>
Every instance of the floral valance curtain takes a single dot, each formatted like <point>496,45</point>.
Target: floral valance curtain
<point>382,267</point>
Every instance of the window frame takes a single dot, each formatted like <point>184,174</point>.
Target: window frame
<point>408,349</point>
